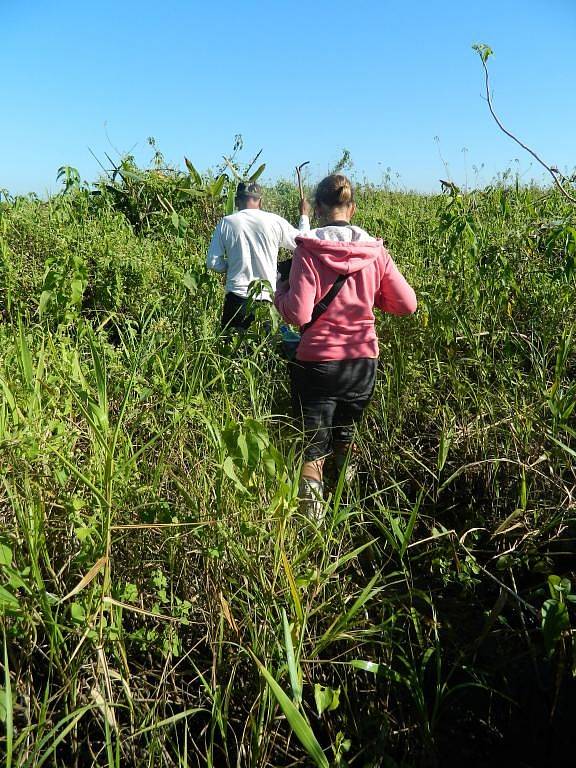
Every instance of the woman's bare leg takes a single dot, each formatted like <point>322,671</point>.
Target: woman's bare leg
<point>313,470</point>
<point>311,490</point>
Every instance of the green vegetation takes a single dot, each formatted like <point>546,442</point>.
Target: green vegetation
<point>163,602</point>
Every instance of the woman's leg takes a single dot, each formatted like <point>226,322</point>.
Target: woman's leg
<point>358,380</point>
<point>314,469</point>
<point>314,408</point>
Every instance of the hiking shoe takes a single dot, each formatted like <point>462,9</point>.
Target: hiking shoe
<point>311,495</point>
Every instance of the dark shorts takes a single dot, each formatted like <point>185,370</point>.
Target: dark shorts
<point>329,398</point>
<point>236,314</point>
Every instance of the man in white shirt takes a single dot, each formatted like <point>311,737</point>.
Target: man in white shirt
<point>245,246</point>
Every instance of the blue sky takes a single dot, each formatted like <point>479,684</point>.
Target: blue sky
<point>380,78</point>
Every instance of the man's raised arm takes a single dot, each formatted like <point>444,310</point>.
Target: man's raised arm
<point>290,233</point>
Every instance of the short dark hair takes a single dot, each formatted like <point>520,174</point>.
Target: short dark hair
<point>248,189</point>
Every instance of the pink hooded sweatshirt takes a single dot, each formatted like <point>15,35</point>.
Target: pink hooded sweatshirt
<point>346,329</point>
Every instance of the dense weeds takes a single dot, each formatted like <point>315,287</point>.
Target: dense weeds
<point>163,602</point>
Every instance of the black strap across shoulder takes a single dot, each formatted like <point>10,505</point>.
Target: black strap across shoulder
<point>323,304</point>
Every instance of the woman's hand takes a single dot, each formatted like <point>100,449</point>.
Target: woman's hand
<point>304,207</point>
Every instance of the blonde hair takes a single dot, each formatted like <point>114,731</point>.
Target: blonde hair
<point>334,191</point>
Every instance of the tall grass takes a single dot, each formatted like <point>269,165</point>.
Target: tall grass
<point>165,604</point>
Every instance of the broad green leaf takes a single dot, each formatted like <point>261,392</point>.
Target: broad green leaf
<point>230,198</point>
<point>258,430</point>
<point>366,666</point>
<point>327,699</point>
<point>229,471</point>
<point>243,446</point>
<point>76,291</point>
<point>192,192</point>
<point>130,592</point>
<point>45,299</point>
<point>125,174</point>
<point>84,531</point>
<point>254,447</point>
<point>15,580</point>
<point>8,600</point>
<point>189,281</point>
<point>269,463</point>
<point>215,189</point>
<point>558,584</point>
<point>77,612</point>
<point>258,172</point>
<point>484,51</point>
<point>555,621</point>
<point>5,554</point>
<point>193,173</point>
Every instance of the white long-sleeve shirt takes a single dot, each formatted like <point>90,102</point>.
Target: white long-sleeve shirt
<point>245,246</point>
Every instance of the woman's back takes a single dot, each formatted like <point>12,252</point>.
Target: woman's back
<point>346,329</point>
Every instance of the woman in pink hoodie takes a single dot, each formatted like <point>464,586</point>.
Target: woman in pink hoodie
<point>333,377</point>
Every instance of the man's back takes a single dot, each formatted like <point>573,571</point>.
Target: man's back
<point>245,245</point>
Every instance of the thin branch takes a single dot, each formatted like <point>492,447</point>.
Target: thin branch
<point>554,172</point>
<point>106,171</point>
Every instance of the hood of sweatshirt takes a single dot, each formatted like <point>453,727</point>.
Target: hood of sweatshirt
<point>344,258</point>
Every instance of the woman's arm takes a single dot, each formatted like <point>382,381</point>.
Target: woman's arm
<point>395,295</point>
<point>295,298</point>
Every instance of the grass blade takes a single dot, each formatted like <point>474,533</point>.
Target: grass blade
<point>293,668</point>
<point>8,707</point>
<point>298,723</point>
